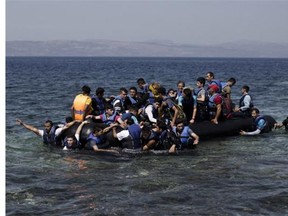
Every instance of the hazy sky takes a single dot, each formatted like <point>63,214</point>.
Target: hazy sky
<point>194,22</point>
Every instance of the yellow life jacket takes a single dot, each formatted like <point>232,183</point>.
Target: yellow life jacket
<point>80,105</point>
<point>153,90</point>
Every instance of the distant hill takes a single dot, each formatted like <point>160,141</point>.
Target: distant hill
<point>144,49</point>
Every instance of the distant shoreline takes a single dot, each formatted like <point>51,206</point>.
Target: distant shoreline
<point>106,48</point>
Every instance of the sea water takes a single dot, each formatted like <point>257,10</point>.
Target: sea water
<point>236,175</point>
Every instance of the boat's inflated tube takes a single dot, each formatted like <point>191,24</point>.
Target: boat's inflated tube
<point>206,129</point>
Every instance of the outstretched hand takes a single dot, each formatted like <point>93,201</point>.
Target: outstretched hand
<point>19,122</point>
<point>214,121</point>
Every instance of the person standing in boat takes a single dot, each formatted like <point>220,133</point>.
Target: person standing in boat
<point>82,104</point>
<point>180,87</point>
<point>202,100</point>
<point>215,104</point>
<point>226,95</point>
<point>260,123</point>
<point>189,104</point>
<point>226,87</point>
<point>212,81</point>
<point>245,104</point>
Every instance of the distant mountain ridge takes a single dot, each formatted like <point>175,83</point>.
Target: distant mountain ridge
<point>107,48</point>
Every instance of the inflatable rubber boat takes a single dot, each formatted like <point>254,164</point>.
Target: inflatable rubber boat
<point>205,130</point>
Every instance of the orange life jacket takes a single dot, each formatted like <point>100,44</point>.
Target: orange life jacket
<point>80,106</point>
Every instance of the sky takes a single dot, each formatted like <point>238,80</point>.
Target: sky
<point>193,22</point>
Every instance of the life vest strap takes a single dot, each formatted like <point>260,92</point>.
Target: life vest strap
<point>80,112</point>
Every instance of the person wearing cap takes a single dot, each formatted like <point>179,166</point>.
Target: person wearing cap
<point>82,104</point>
<point>214,104</point>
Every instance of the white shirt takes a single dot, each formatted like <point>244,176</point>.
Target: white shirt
<point>122,134</point>
<point>148,111</point>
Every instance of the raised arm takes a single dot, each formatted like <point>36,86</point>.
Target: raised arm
<point>107,129</point>
<point>78,131</point>
<point>29,127</point>
<point>69,125</point>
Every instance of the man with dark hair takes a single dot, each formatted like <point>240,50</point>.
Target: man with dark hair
<point>202,100</point>
<point>260,123</point>
<point>98,102</point>
<point>143,86</point>
<point>108,117</point>
<point>185,134</point>
<point>189,105</point>
<point>98,142</point>
<point>129,134</point>
<point>82,104</point>
<point>119,101</point>
<point>226,95</point>
<point>212,81</point>
<point>49,134</point>
<point>245,104</point>
<point>131,99</point>
<point>226,87</point>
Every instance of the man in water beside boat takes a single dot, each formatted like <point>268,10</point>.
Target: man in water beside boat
<point>49,134</point>
<point>260,123</point>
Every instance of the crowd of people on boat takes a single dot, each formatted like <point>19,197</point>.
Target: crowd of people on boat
<point>150,117</point>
